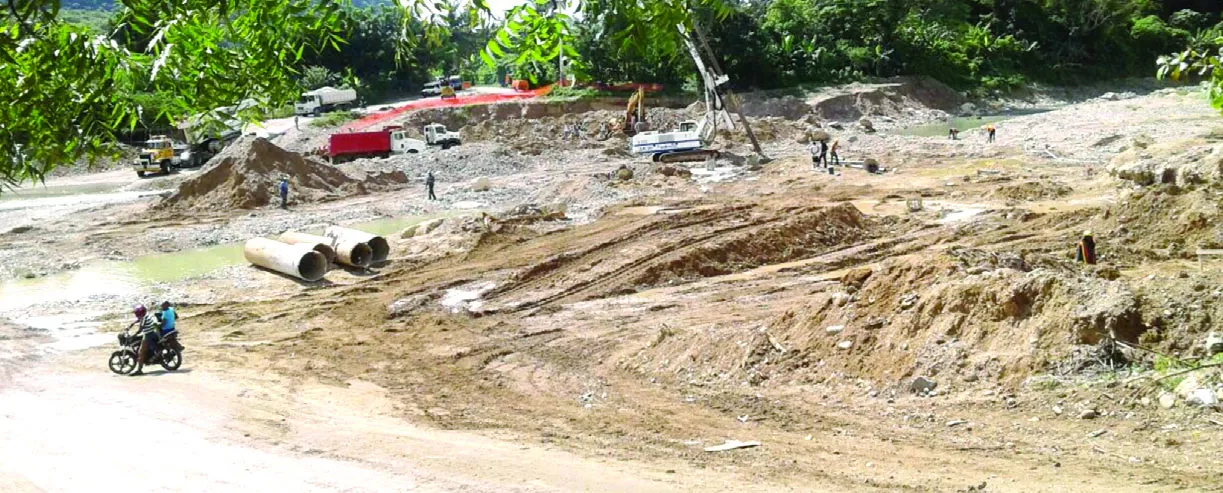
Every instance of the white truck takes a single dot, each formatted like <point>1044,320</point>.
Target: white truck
<point>437,135</point>
<point>323,100</point>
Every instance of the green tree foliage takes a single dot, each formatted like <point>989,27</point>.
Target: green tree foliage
<point>314,77</point>
<point>73,83</point>
<point>70,92</point>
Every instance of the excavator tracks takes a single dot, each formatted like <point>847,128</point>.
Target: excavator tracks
<point>700,155</point>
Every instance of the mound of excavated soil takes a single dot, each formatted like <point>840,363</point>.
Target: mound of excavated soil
<point>895,98</point>
<point>246,175</point>
<point>1031,190</point>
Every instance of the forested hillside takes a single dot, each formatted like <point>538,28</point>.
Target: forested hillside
<point>217,53</point>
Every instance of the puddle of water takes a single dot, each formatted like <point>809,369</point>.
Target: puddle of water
<point>388,225</point>
<point>123,278</point>
<point>167,267</point>
<point>115,278</point>
<point>961,123</point>
<point>38,192</point>
<point>96,279</point>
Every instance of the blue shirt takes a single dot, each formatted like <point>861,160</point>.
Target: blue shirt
<point>167,320</point>
<point>284,188</point>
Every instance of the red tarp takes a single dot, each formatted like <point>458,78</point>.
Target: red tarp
<point>436,102</point>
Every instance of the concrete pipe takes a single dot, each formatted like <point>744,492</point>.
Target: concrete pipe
<point>378,246</point>
<point>321,244</point>
<point>353,253</point>
<point>294,260</point>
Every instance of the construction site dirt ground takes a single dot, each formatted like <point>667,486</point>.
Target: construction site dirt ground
<point>516,351</point>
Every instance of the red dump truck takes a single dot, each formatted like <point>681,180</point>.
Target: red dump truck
<point>347,146</point>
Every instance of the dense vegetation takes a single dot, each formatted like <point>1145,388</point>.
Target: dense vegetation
<point>967,43</point>
<point>73,92</point>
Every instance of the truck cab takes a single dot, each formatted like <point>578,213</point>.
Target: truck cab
<point>156,156</point>
<point>308,104</point>
<point>402,144</point>
<point>323,100</point>
<point>436,134</point>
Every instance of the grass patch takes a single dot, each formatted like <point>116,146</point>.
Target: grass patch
<point>571,93</point>
<point>334,119</point>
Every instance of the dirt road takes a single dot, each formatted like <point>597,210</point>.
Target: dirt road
<point>69,425</point>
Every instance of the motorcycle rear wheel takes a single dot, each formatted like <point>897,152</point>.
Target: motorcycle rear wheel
<point>171,359</point>
<point>122,362</point>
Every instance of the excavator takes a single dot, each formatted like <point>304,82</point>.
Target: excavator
<point>692,141</point>
<point>635,122</point>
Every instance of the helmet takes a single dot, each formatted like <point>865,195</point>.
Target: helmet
<point>1087,233</point>
<point>139,310</point>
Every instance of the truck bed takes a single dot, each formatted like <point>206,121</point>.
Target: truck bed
<point>343,144</point>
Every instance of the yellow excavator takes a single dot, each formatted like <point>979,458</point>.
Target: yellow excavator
<point>634,123</point>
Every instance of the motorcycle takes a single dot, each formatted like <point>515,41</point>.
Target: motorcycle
<point>168,354</point>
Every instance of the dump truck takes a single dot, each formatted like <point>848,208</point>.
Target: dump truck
<point>156,156</point>
<point>323,100</point>
<point>437,135</point>
<point>347,146</point>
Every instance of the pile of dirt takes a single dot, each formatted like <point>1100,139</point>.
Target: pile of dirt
<point>1182,163</point>
<point>786,107</point>
<point>1031,190</point>
<point>247,173</point>
<point>894,98</point>
<point>912,316</point>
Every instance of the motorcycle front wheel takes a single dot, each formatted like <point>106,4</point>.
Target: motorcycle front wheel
<point>171,359</point>
<point>122,362</point>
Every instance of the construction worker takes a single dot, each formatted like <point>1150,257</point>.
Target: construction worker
<point>284,192</point>
<point>429,185</point>
<point>991,131</point>
<point>953,133</point>
<point>824,152</point>
<point>814,149</point>
<point>1086,250</point>
<point>835,158</point>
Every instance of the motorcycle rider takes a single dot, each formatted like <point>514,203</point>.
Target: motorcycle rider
<point>148,331</point>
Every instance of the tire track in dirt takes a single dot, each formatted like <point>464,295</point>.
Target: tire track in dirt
<point>748,242</point>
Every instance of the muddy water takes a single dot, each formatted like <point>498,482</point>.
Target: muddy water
<point>121,278</point>
<point>38,192</point>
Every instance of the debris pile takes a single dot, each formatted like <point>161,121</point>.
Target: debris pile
<point>246,174</point>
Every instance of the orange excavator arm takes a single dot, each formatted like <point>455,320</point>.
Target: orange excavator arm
<point>634,103</point>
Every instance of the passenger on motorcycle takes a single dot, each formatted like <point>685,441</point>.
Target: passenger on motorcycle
<point>148,330</point>
<point>169,326</point>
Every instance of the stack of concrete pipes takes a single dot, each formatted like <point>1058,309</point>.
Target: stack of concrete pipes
<point>307,257</point>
